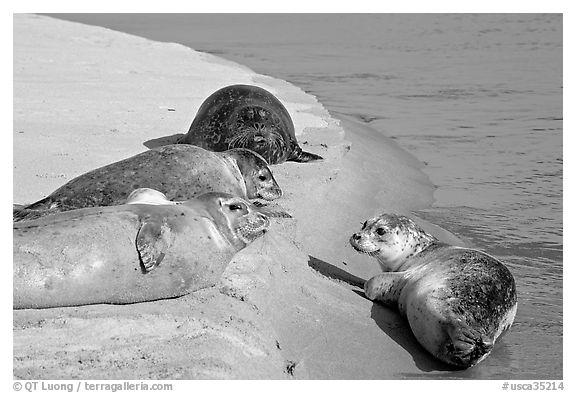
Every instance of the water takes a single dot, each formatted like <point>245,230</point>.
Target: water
<point>478,98</point>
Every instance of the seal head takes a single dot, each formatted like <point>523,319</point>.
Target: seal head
<point>244,221</point>
<point>248,117</point>
<point>260,181</point>
<point>391,239</point>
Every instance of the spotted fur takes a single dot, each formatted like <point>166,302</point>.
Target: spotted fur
<point>248,117</point>
<point>458,301</point>
<point>181,172</point>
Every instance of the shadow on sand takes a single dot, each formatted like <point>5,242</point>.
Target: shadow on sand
<point>398,329</point>
<point>331,271</point>
<point>387,319</point>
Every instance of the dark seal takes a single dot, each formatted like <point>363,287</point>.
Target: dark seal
<point>181,172</point>
<point>249,117</point>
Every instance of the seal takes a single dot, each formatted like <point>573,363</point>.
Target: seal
<point>130,253</point>
<point>181,172</point>
<point>150,196</point>
<point>249,117</point>
<point>458,301</point>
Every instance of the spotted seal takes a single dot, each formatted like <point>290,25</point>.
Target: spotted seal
<point>458,301</point>
<point>130,253</point>
<point>180,172</point>
<point>250,117</point>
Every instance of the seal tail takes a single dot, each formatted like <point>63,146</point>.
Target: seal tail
<point>299,155</point>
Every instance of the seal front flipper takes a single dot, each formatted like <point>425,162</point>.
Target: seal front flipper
<point>273,211</point>
<point>299,155</point>
<point>152,243</point>
<point>385,288</point>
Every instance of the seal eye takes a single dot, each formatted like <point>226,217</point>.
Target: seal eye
<point>364,226</point>
<point>262,177</point>
<point>235,206</point>
<point>380,231</point>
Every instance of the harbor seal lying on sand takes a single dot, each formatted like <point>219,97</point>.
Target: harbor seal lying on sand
<point>458,301</point>
<point>250,117</point>
<point>181,172</point>
<point>130,253</point>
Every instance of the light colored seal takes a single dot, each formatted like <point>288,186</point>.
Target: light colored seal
<point>130,253</point>
<point>458,301</point>
<point>181,172</point>
<point>249,117</point>
<point>149,196</point>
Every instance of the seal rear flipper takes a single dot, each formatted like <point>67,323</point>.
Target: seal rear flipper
<point>34,210</point>
<point>466,347</point>
<point>299,155</point>
<point>385,288</point>
<point>18,211</point>
<point>152,243</point>
<point>28,214</point>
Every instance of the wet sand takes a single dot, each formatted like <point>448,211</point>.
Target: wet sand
<point>87,96</point>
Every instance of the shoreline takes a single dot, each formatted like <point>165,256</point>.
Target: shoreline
<point>86,99</point>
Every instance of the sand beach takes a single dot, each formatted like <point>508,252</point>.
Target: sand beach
<point>87,96</point>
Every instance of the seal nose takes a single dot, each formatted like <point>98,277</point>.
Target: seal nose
<point>263,219</point>
<point>356,236</point>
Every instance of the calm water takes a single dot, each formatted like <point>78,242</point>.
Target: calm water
<point>476,97</point>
